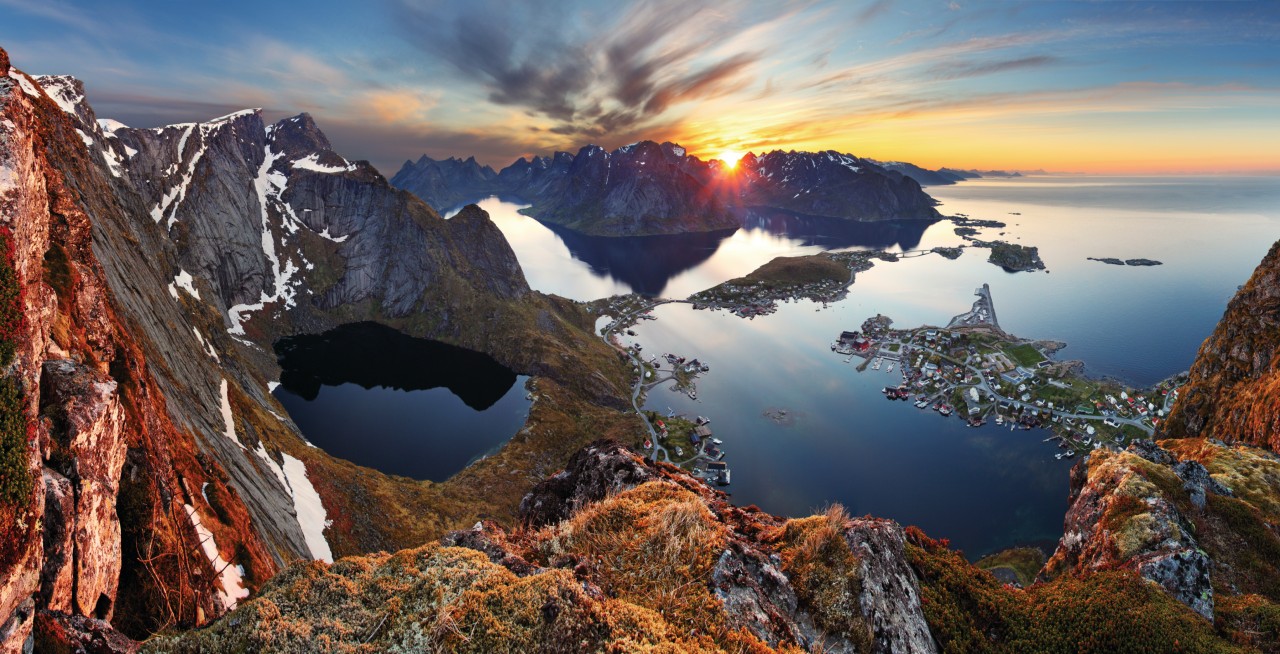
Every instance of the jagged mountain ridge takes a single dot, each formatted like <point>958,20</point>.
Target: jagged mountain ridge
<point>658,188</point>
<point>924,176</point>
<point>447,183</point>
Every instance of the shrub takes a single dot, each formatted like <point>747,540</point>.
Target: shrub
<point>15,477</point>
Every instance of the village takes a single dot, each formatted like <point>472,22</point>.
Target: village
<point>676,439</point>
<point>973,369</point>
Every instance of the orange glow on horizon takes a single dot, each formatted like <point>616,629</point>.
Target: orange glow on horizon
<point>730,158</point>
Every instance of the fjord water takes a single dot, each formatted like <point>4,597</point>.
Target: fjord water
<point>402,405</point>
<point>984,488</point>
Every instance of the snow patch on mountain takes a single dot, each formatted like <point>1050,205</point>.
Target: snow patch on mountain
<point>61,89</point>
<point>229,576</point>
<point>306,502</point>
<point>312,162</point>
<point>270,186</point>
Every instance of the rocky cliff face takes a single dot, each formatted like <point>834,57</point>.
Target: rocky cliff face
<point>657,188</point>
<point>1234,390</point>
<point>150,271</point>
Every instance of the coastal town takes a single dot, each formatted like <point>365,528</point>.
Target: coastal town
<point>677,439</point>
<point>973,369</point>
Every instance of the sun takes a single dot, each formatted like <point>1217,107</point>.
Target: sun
<point>730,158</point>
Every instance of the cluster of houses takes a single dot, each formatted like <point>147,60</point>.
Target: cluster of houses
<point>942,370</point>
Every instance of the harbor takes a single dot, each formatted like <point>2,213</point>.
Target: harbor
<point>973,369</point>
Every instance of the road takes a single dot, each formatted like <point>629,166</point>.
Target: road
<point>659,452</point>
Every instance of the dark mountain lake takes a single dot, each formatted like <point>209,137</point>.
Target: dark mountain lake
<point>405,406</point>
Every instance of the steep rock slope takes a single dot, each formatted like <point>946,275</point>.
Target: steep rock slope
<point>153,269</point>
<point>1234,390</point>
<point>108,469</point>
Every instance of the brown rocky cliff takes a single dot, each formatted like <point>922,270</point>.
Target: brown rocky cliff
<point>1234,390</point>
<point>105,452</point>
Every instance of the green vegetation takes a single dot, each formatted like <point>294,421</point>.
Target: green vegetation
<point>1025,354</point>
<point>1023,562</point>
<point>1015,258</point>
<point>15,477</point>
<point>679,434</point>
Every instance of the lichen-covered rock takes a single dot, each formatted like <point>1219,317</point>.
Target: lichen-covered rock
<point>597,470</point>
<point>758,597</point>
<point>1122,515</point>
<point>890,598</point>
<point>59,632</point>
<point>89,429</point>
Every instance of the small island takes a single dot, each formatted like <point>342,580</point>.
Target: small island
<point>1013,257</point>
<point>1127,262</point>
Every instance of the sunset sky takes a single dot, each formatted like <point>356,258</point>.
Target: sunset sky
<point>1105,87</point>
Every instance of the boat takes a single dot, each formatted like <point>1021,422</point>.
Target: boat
<point>1070,453</point>
<point>702,420</point>
<point>717,441</point>
<point>890,368</point>
<point>920,404</point>
<point>1058,456</point>
<point>999,419</point>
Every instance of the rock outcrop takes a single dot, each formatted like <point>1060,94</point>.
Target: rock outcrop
<point>1231,394</point>
<point>1121,516</point>
<point>580,577</point>
<point>87,433</point>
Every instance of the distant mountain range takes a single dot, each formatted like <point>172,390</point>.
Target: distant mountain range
<point>649,188</point>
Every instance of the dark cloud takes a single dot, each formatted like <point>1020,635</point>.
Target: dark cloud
<point>592,73</point>
<point>961,69</point>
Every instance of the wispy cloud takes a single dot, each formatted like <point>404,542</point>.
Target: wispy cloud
<point>622,72</point>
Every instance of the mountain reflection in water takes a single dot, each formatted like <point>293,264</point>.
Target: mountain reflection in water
<point>837,233</point>
<point>371,355</point>
<point>405,406</point>
<point>644,263</point>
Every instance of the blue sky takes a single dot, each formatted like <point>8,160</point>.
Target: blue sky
<point>1092,86</point>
